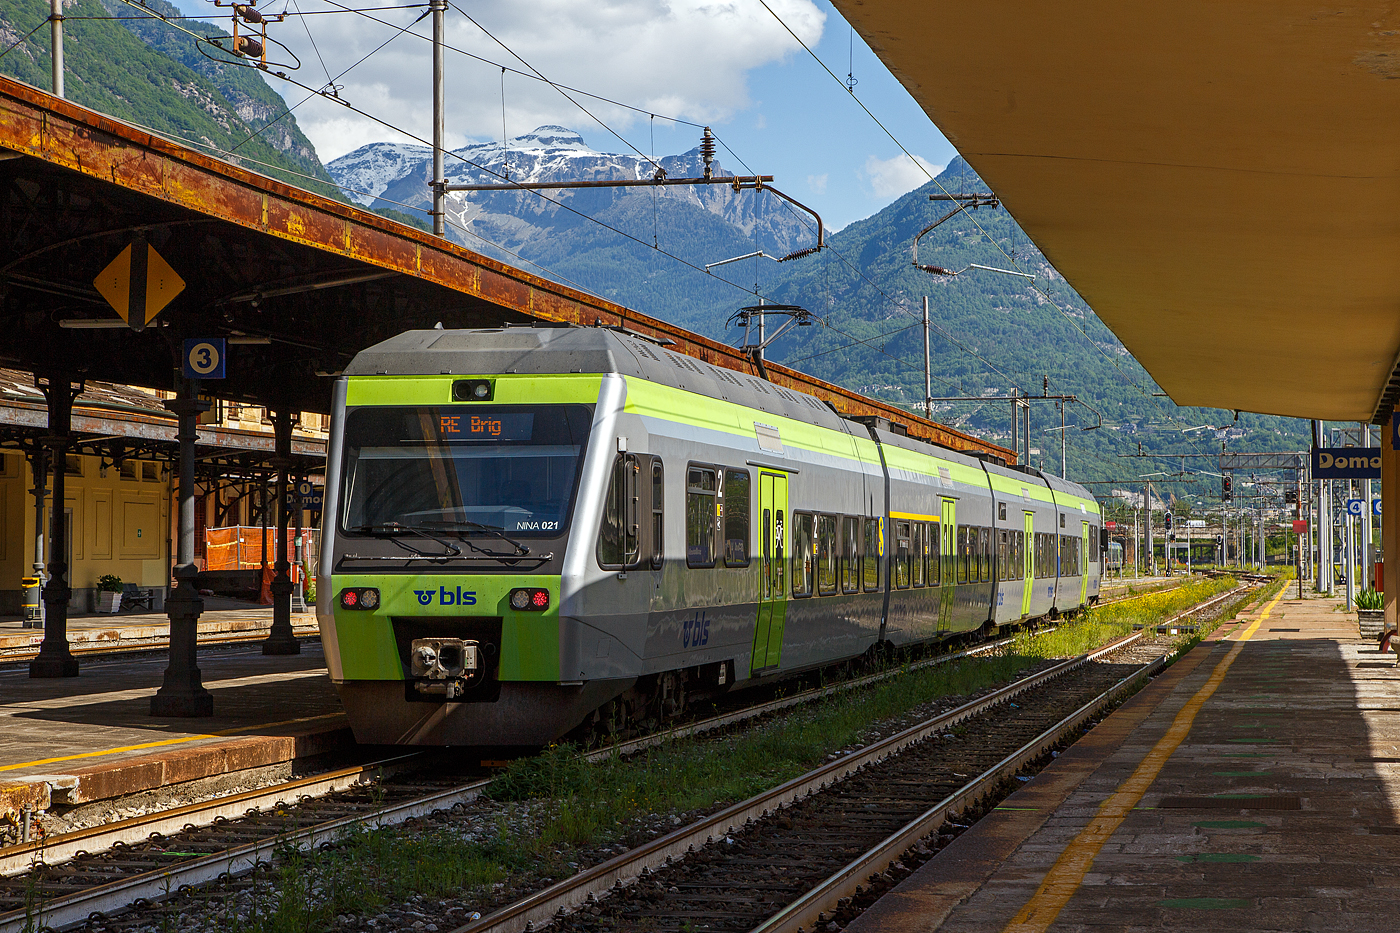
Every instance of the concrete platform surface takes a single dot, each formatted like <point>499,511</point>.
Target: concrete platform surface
<point>221,619</point>
<point>74,740</point>
<point>1255,785</point>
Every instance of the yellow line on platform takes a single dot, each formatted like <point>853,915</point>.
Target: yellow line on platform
<point>1067,874</point>
<point>166,742</point>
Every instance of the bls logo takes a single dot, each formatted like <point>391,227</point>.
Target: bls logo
<point>696,631</point>
<point>446,597</point>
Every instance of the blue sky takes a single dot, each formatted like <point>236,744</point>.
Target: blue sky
<point>731,66</point>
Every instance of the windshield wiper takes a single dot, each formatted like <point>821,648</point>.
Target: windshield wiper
<point>494,530</point>
<point>390,531</point>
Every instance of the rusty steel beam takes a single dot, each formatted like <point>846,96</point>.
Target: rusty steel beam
<point>94,422</point>
<point>63,134</point>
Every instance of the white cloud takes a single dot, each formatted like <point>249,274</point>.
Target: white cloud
<point>890,178</point>
<point>817,183</point>
<point>683,58</point>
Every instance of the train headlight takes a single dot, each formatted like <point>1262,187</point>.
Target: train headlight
<point>473,390</point>
<point>359,597</point>
<point>529,599</point>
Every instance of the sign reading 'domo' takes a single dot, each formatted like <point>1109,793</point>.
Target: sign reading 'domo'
<point>1346,463</point>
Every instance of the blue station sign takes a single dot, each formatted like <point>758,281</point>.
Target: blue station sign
<point>1346,463</point>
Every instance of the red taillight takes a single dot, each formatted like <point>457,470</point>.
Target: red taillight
<point>360,597</point>
<point>529,599</point>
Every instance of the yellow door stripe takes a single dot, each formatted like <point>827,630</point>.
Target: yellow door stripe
<point>1067,874</point>
<point>915,516</point>
<point>243,730</point>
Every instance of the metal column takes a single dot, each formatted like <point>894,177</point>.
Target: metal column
<point>182,693</point>
<point>438,8</point>
<point>281,640</point>
<point>928,381</point>
<point>55,659</point>
<point>56,26</point>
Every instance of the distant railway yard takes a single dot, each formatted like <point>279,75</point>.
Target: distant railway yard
<point>821,794</point>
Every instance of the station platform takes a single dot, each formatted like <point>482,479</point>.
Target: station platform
<point>1254,785</point>
<point>90,632</point>
<point>71,741</point>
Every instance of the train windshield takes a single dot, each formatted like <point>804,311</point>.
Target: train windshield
<point>463,469</point>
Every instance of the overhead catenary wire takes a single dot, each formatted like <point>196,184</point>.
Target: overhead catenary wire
<point>1064,312</point>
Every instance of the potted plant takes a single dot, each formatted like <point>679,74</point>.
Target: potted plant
<point>1370,613</point>
<point>109,587</point>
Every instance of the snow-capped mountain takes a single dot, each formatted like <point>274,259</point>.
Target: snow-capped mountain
<point>397,176</point>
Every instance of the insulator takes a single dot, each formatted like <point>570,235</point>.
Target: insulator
<point>707,150</point>
<point>247,45</point>
<point>800,253</point>
<point>245,12</point>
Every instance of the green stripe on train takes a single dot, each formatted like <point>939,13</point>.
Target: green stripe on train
<point>529,640</point>
<point>437,390</point>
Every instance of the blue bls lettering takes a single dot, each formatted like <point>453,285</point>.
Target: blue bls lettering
<point>695,631</point>
<point>446,597</point>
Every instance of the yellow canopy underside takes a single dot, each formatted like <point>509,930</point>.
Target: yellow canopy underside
<point>1220,181</point>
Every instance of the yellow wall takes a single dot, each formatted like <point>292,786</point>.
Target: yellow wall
<point>121,525</point>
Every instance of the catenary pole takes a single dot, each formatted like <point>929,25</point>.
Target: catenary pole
<point>56,25</point>
<point>439,10</point>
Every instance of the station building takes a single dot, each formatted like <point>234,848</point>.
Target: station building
<point>120,486</point>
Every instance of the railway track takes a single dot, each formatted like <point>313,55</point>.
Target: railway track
<point>88,876</point>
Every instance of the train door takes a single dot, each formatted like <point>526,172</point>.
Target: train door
<point>772,596</point>
<point>948,522</point>
<point>1028,564</point>
<point>1084,565</point>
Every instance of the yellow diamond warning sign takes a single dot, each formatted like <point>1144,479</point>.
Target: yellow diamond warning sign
<point>138,284</point>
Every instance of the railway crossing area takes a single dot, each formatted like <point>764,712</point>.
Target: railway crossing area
<point>1252,786</point>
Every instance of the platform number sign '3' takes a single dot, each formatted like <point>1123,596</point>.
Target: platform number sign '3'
<point>204,358</point>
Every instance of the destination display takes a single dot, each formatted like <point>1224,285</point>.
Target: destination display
<point>485,426</point>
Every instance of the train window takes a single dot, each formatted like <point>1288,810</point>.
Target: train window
<point>1001,511</point>
<point>617,534</point>
<point>850,567</point>
<point>658,540</point>
<point>1062,520</point>
<point>919,540</point>
<point>828,562</point>
<point>962,554</point>
<point>803,555</point>
<point>1003,553</point>
<point>736,518</point>
<point>871,563</point>
<point>700,517</point>
<point>901,555</point>
<point>1093,545</point>
<point>984,553</point>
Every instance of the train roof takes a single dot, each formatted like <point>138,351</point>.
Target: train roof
<point>552,350</point>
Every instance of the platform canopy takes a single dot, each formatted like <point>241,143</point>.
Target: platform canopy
<point>1220,181</point>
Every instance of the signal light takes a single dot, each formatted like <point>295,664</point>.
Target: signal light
<point>360,597</point>
<point>530,599</point>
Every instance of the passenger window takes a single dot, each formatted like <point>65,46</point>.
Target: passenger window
<point>802,554</point>
<point>827,561</point>
<point>700,517</point>
<point>658,540</point>
<point>617,536</point>
<point>736,518</point>
<point>935,559</point>
<point>850,575</point>
<point>1003,553</point>
<point>984,552</point>
<point>920,555</point>
<point>901,555</point>
<point>871,562</point>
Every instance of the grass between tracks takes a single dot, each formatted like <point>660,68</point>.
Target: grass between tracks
<point>557,807</point>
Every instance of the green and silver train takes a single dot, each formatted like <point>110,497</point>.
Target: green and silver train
<point>535,530</point>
